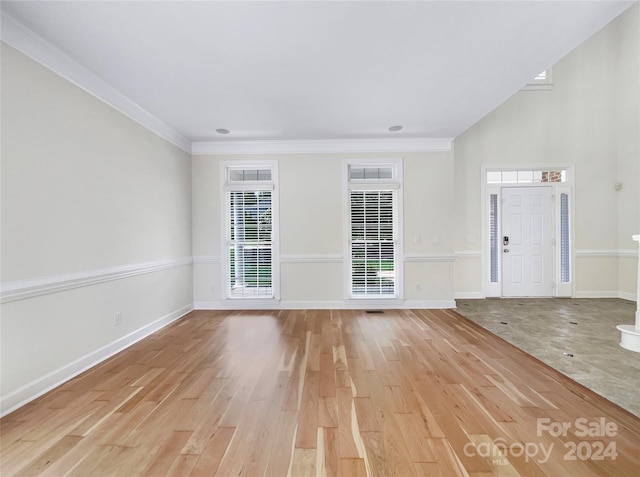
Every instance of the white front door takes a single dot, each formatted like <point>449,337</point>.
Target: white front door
<point>527,249</point>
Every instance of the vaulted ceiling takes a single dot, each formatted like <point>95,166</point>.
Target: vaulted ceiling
<point>311,70</point>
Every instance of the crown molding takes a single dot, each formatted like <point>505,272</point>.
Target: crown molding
<point>21,38</point>
<point>320,146</point>
<point>38,49</point>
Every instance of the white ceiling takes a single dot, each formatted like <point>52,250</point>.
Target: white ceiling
<point>315,70</point>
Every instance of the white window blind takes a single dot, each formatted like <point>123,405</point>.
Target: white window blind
<point>565,264</point>
<point>493,237</point>
<point>373,242</point>
<point>250,243</point>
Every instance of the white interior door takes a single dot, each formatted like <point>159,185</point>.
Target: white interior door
<point>527,242</point>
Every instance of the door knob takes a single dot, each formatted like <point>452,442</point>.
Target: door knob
<point>506,250</point>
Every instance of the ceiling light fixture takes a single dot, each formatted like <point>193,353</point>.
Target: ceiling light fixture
<point>222,131</point>
<point>395,128</point>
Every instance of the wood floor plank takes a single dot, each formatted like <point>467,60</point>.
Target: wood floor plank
<point>213,452</point>
<point>318,393</point>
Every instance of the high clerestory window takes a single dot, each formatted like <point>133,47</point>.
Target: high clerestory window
<point>544,80</point>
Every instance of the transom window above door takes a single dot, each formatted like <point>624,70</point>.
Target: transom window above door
<point>526,176</point>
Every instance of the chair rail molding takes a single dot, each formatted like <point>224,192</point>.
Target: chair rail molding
<point>32,287</point>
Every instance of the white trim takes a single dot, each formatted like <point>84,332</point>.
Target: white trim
<point>33,287</point>
<point>627,296</point>
<point>429,257</point>
<point>630,296</point>
<point>37,48</point>
<point>329,258</point>
<point>363,304</point>
<point>429,304</point>
<point>44,384</point>
<point>471,295</point>
<point>598,294</point>
<point>606,253</point>
<point>322,146</point>
<point>289,258</point>
<point>623,253</point>
<point>238,304</point>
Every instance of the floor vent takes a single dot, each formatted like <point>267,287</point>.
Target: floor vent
<point>374,311</point>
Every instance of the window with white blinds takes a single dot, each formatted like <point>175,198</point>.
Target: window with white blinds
<point>373,192</point>
<point>250,243</point>
<point>249,198</point>
<point>373,242</point>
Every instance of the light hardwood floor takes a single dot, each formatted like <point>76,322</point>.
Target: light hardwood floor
<point>407,393</point>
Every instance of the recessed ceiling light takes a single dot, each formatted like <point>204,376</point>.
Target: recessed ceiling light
<point>395,128</point>
<point>222,131</point>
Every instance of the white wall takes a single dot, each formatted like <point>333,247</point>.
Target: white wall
<point>590,120</point>
<point>628,152</point>
<point>96,219</point>
<point>311,228</point>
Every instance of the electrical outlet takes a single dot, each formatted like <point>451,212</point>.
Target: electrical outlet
<point>117,318</point>
<point>418,286</point>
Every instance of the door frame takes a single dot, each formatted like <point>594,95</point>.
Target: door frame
<point>493,289</point>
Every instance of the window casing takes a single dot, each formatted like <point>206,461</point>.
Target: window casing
<point>373,214</point>
<point>250,242</point>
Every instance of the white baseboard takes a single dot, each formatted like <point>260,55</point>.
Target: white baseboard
<point>429,304</point>
<point>469,296</point>
<point>258,304</point>
<point>40,386</point>
<point>597,294</point>
<point>584,294</point>
<point>628,296</point>
<point>607,294</point>
<point>323,305</point>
